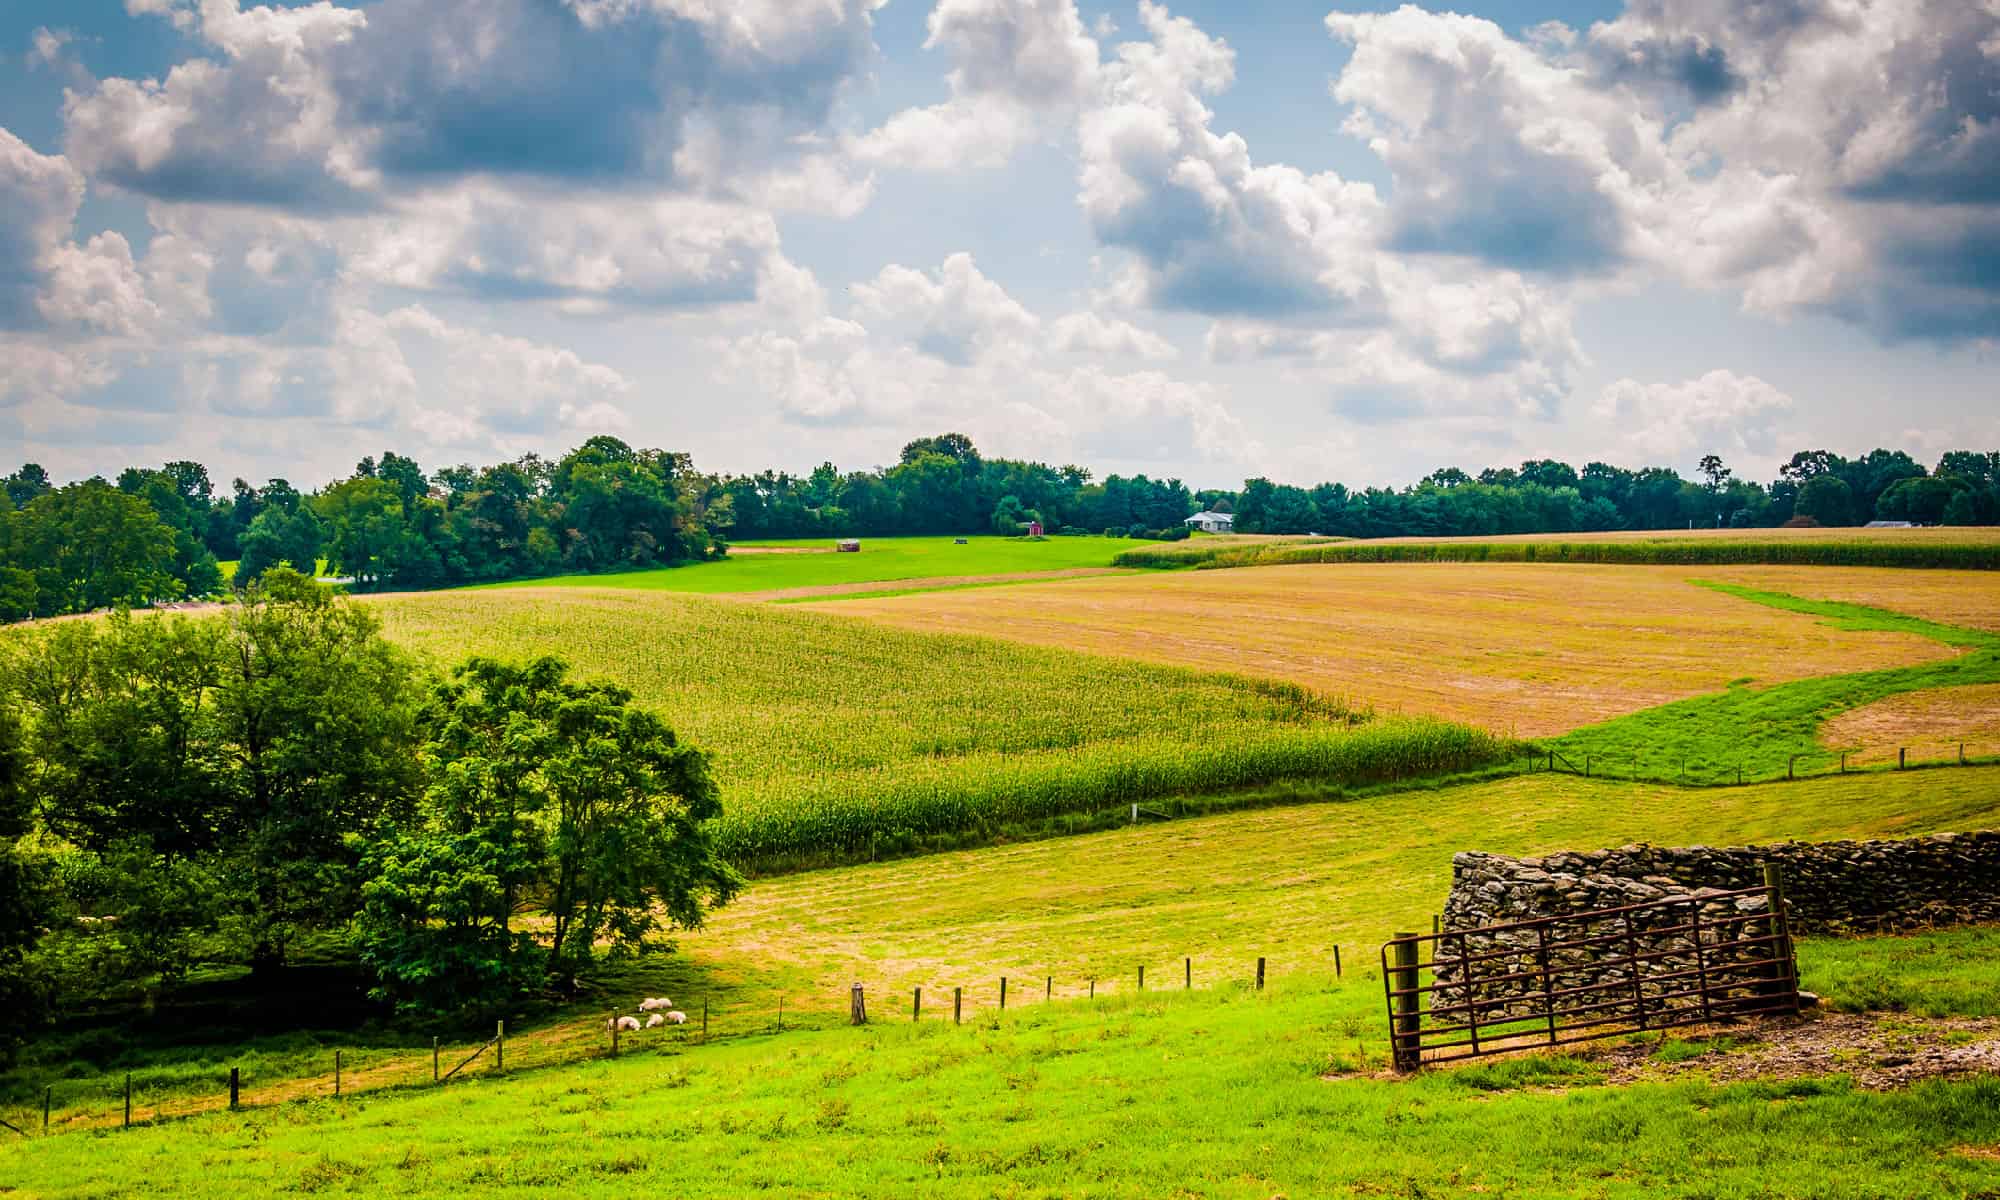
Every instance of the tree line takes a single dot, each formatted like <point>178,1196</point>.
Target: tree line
<point>180,793</point>
<point>160,534</point>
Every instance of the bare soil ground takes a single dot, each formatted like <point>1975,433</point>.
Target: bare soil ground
<point>1879,1051</point>
<point>1528,648</point>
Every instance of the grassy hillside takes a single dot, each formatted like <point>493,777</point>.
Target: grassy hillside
<point>810,563</point>
<point>834,737</point>
<point>1288,884</point>
<point>1212,1094</point>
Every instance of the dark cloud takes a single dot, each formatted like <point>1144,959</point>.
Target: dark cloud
<point>1690,65</point>
<point>1953,155</point>
<point>1510,206</point>
<point>311,109</point>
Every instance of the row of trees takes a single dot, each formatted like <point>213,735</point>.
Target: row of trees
<point>159,534</point>
<point>1546,496</point>
<point>178,792</point>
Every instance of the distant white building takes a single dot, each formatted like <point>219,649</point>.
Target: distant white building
<point>1889,525</point>
<point>1212,522</point>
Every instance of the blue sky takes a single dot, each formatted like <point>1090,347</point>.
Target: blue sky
<point>1206,239</point>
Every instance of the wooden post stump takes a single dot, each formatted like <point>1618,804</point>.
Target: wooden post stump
<point>1402,986</point>
<point>857,1006</point>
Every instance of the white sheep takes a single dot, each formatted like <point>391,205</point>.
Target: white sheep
<point>622,1025</point>
<point>677,1017</point>
<point>655,1021</point>
<point>655,1004</point>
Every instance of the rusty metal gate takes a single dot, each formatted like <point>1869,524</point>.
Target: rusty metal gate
<point>1578,977</point>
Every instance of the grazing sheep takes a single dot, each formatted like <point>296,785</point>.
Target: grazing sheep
<point>655,1021</point>
<point>677,1017</point>
<point>623,1024</point>
<point>655,1004</point>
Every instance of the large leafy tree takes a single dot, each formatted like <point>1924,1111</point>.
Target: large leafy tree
<point>548,793</point>
<point>317,715</point>
<point>92,546</point>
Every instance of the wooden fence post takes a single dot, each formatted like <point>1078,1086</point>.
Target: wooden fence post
<point>1405,1045</point>
<point>500,1045</point>
<point>48,1094</point>
<point>1784,972</point>
<point>1260,972</point>
<point>957,1004</point>
<point>1189,966</point>
<point>1142,977</point>
<point>1902,758</point>
<point>704,1018</point>
<point>612,1022</point>
<point>128,1099</point>
<point>916,1003</point>
<point>1336,961</point>
<point>857,1006</point>
<point>1003,993</point>
<point>781,1014</point>
<point>434,1060</point>
<point>1049,989</point>
<point>1093,988</point>
<point>232,1088</point>
<point>336,1072</point>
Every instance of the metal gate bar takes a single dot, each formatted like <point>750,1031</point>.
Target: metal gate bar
<point>1551,981</point>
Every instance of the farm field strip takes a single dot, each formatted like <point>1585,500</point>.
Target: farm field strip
<point>1967,548</point>
<point>1967,598</point>
<point>1969,716</point>
<point>1528,649</point>
<point>1755,732</point>
<point>832,736</point>
<point>770,566</point>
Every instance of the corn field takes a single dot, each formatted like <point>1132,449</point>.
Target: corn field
<point>832,736</point>
<point>1966,555</point>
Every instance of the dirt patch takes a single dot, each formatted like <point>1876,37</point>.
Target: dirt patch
<point>740,551</point>
<point>1879,1051</point>
<point>1931,723</point>
<point>931,582</point>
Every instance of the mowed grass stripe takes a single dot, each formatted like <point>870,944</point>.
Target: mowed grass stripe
<point>834,736</point>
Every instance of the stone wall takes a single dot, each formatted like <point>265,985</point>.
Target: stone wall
<point>1495,978</point>
<point>1944,879</point>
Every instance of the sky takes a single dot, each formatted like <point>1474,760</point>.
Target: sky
<point>1209,240</point>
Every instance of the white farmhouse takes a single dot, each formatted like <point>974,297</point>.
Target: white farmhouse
<point>1212,522</point>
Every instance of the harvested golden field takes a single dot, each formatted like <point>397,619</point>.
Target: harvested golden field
<point>1524,648</point>
<point>1931,724</point>
<point>1968,598</point>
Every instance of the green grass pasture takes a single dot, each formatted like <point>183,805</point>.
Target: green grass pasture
<point>880,560</point>
<point>1224,1093</point>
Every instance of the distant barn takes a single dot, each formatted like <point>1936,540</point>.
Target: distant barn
<point>849,545</point>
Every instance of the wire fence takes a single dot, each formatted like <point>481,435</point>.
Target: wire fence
<point>1659,766</point>
<point>146,1096</point>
